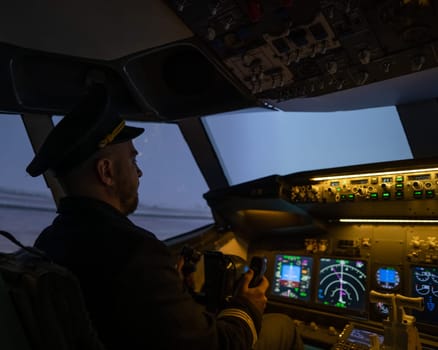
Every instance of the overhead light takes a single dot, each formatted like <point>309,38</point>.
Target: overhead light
<point>374,174</point>
<point>396,221</point>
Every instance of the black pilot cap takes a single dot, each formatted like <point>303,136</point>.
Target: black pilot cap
<point>91,125</point>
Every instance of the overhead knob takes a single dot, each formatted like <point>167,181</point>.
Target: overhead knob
<point>364,56</point>
<point>347,7</point>
<point>211,34</point>
<point>228,23</point>
<point>247,59</point>
<point>361,78</point>
<point>387,66</point>
<point>181,5</point>
<point>214,8</point>
<point>332,67</point>
<point>417,63</point>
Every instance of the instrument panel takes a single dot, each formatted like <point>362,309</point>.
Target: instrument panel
<point>334,236</point>
<point>424,283</point>
<point>330,287</point>
<point>340,283</point>
<point>377,186</point>
<point>292,277</point>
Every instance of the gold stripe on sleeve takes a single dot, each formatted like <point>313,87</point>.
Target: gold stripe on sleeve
<point>243,316</point>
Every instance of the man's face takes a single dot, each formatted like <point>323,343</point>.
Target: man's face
<point>127,175</point>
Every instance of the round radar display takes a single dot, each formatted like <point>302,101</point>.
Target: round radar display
<point>387,277</point>
<point>343,283</point>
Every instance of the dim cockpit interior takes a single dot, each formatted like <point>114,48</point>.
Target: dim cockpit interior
<point>351,249</point>
<point>351,246</point>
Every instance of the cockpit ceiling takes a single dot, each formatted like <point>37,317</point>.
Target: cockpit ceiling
<point>301,55</point>
<point>288,53</point>
<point>97,29</point>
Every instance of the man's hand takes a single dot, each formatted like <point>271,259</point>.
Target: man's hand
<point>257,295</point>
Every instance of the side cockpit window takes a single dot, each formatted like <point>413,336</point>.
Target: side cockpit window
<point>26,203</point>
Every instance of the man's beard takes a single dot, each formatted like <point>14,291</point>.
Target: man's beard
<point>130,206</point>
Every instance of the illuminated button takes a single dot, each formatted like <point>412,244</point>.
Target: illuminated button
<point>399,194</point>
<point>343,197</point>
<point>351,197</point>
<point>399,185</point>
<point>374,195</point>
<point>430,193</point>
<point>418,194</point>
<point>386,195</point>
<point>399,178</point>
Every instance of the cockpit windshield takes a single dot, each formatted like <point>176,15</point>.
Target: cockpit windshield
<point>250,144</point>
<point>257,143</point>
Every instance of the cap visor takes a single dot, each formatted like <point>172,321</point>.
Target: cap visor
<point>128,133</point>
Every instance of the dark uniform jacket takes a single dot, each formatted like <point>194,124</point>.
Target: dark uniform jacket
<point>134,294</point>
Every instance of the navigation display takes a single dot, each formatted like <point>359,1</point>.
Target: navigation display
<point>425,284</point>
<point>292,276</point>
<point>343,283</point>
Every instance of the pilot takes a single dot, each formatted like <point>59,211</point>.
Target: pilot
<point>131,287</point>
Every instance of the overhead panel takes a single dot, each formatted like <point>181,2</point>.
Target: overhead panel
<point>289,49</point>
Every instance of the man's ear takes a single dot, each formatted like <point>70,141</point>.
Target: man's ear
<point>105,171</point>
